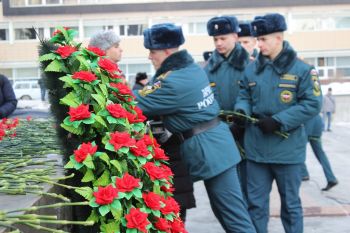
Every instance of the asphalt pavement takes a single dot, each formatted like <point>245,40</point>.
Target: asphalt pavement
<point>324,211</point>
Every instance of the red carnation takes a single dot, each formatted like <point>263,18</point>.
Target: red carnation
<point>140,116</point>
<point>118,140</point>
<point>159,154</point>
<point>150,141</point>
<point>127,183</point>
<point>84,150</point>
<point>171,206</point>
<point>177,226</point>
<point>108,65</point>
<point>116,111</point>
<point>140,149</point>
<point>137,219</point>
<point>86,76</point>
<point>96,50</point>
<point>163,225</point>
<point>154,172</point>
<point>152,200</point>
<point>65,51</point>
<point>122,88</point>
<point>105,196</point>
<point>79,113</point>
<point>167,171</point>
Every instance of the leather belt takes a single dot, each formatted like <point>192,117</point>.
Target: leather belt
<point>200,128</point>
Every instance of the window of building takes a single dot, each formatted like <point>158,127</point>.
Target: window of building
<point>17,3</point>
<point>51,2</point>
<point>343,22</point>
<point>7,73</point>
<point>343,61</point>
<point>343,67</point>
<point>27,73</point>
<point>35,2</point>
<point>91,30</point>
<point>4,34</point>
<point>130,70</point>
<point>197,28</point>
<point>28,33</point>
<point>132,29</point>
<point>69,2</point>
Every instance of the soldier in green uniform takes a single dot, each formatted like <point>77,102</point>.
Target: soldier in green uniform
<point>282,92</point>
<point>225,69</point>
<point>181,94</point>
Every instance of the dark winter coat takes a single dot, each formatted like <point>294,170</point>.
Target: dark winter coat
<point>8,101</point>
<point>183,183</point>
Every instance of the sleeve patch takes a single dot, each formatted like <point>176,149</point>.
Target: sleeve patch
<point>150,89</point>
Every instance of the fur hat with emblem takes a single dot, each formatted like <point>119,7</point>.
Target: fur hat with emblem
<point>222,25</point>
<point>163,36</point>
<point>267,24</point>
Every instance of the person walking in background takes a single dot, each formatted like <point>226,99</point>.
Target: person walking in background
<point>247,40</point>
<point>282,93</point>
<point>42,88</point>
<point>8,101</point>
<point>314,128</point>
<point>141,81</point>
<point>225,69</point>
<point>328,109</point>
<point>181,94</point>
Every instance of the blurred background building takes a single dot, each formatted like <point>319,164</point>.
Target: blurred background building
<point>318,29</point>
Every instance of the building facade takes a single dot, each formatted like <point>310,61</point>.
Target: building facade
<point>318,29</point>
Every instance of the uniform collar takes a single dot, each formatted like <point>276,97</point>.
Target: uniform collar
<point>175,61</point>
<point>281,64</point>
<point>238,58</point>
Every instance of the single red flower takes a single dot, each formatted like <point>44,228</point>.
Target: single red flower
<point>152,200</point>
<point>154,172</point>
<point>107,65</point>
<point>116,111</point>
<point>167,171</point>
<point>163,225</point>
<point>29,118</point>
<point>86,76</point>
<point>127,183</point>
<point>79,113</point>
<point>140,149</point>
<point>177,226</point>
<point>150,141</point>
<point>122,88</point>
<point>65,51</point>
<point>118,140</point>
<point>105,195</point>
<point>171,206</point>
<point>84,150</point>
<point>140,117</point>
<point>137,219</point>
<point>159,154</point>
<point>96,50</point>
